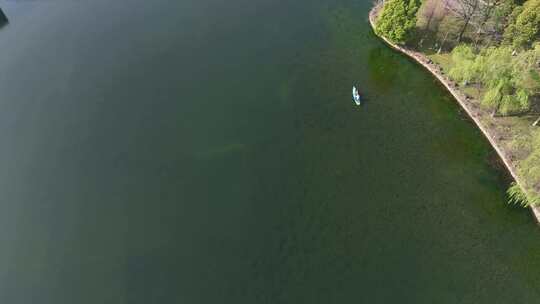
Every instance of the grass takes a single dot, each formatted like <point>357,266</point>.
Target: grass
<point>474,91</point>
<point>444,60</point>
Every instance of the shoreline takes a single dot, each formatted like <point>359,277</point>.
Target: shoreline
<point>470,108</point>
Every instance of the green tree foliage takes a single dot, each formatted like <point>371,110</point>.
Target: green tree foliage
<point>508,79</point>
<point>398,20</point>
<point>499,72</point>
<point>526,68</point>
<point>524,25</point>
<point>500,17</point>
<point>465,68</point>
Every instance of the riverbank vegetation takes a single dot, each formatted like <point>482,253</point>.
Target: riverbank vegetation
<point>491,50</point>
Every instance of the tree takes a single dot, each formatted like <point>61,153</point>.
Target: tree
<point>524,26</point>
<point>505,77</point>
<point>486,12</point>
<point>465,10</point>
<point>502,75</point>
<point>429,16</point>
<point>526,68</point>
<point>428,12</point>
<point>500,18</point>
<point>465,64</point>
<point>447,25</point>
<point>527,62</point>
<point>398,20</point>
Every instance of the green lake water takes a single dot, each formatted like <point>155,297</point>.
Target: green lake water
<point>209,152</point>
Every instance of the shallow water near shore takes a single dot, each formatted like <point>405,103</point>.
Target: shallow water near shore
<point>209,152</point>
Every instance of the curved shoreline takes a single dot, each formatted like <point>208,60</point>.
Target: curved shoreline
<point>471,109</point>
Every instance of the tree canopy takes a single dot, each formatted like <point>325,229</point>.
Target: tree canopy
<point>398,20</point>
<point>524,25</point>
<point>508,79</point>
<point>465,64</point>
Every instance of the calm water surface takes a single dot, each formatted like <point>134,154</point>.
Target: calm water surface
<point>208,152</point>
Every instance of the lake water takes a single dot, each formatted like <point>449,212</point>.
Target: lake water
<point>209,152</point>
